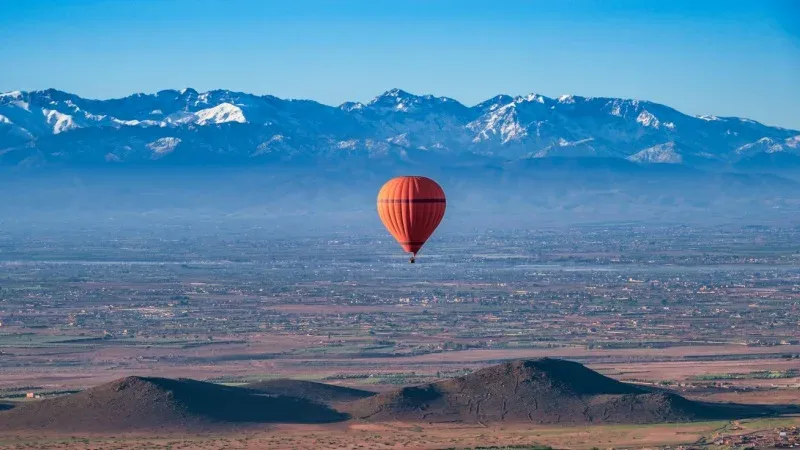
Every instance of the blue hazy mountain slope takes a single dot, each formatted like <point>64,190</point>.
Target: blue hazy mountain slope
<point>341,196</point>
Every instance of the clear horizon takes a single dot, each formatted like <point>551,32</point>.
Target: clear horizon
<point>719,58</point>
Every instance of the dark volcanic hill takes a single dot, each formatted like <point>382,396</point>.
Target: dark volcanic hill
<point>309,390</point>
<point>545,391</point>
<point>136,403</point>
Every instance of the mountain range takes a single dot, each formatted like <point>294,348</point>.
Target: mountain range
<point>186,127</point>
<point>507,161</point>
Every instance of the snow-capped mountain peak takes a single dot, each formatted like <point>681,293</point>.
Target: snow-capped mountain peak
<point>351,106</point>
<point>566,99</point>
<point>531,98</point>
<point>400,100</point>
<point>396,95</point>
<point>495,102</point>
<point>11,95</point>
<point>395,100</point>
<point>222,113</point>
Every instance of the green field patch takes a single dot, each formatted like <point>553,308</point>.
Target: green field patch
<point>756,375</point>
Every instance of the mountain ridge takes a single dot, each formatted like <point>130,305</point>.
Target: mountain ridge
<point>55,127</point>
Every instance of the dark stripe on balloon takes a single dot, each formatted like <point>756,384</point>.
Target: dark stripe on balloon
<point>412,200</point>
<point>412,243</point>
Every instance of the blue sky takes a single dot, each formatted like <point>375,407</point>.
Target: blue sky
<point>732,57</point>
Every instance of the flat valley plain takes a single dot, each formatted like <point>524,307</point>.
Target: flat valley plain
<point>710,313</point>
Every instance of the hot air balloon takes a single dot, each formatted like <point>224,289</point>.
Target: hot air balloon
<point>411,208</point>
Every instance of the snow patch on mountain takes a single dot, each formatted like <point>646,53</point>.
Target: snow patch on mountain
<point>222,113</point>
<point>658,154</point>
<point>4,119</point>
<point>530,98</point>
<point>765,144</point>
<point>512,130</point>
<point>565,143</point>
<point>11,94</point>
<point>621,108</point>
<point>349,144</point>
<point>566,99</point>
<point>503,121</point>
<point>565,148</point>
<point>648,120</point>
<point>21,104</point>
<point>351,106</point>
<point>276,143</point>
<point>202,99</point>
<point>135,123</point>
<point>59,121</point>
<point>400,140</point>
<point>371,146</point>
<point>92,117</point>
<point>164,145</point>
<point>793,142</point>
<point>69,104</point>
<point>395,93</point>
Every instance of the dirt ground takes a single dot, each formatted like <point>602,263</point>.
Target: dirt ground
<point>633,365</point>
<point>246,360</point>
<point>409,436</point>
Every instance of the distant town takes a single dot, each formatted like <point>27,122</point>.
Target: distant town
<point>240,308</point>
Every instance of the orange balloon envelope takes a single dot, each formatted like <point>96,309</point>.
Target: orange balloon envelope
<point>411,208</point>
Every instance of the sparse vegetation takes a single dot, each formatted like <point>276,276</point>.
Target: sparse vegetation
<point>756,375</point>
